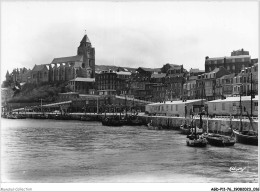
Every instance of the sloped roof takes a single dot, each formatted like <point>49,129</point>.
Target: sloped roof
<point>82,79</point>
<point>67,59</point>
<point>150,69</point>
<point>85,39</point>
<point>243,98</point>
<point>230,57</point>
<point>196,70</point>
<point>179,102</point>
<point>40,67</point>
<point>228,76</point>
<point>123,73</point>
<point>160,75</point>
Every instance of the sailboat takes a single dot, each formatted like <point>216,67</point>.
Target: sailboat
<point>249,137</point>
<point>220,140</point>
<point>195,139</point>
<point>188,129</point>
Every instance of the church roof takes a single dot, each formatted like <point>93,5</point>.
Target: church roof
<point>67,59</point>
<point>39,67</point>
<point>85,39</point>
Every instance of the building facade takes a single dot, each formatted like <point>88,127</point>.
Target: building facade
<point>234,64</point>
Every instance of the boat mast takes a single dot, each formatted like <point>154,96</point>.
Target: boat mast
<point>251,96</point>
<point>240,106</point>
<point>201,122</point>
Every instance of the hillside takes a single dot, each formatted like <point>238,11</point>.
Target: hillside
<point>30,93</point>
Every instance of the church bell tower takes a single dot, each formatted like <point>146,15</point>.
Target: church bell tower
<point>88,52</point>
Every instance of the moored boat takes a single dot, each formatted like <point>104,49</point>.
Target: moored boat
<point>11,116</point>
<point>249,137</point>
<point>185,129</point>
<point>134,121</point>
<point>195,140</point>
<point>153,127</point>
<point>220,140</point>
<point>246,137</point>
<point>112,121</point>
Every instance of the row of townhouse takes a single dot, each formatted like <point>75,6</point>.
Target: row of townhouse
<point>219,84</point>
<point>223,77</point>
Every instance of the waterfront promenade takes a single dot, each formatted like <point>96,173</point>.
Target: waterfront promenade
<point>217,124</point>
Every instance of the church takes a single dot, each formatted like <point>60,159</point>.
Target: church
<point>80,67</point>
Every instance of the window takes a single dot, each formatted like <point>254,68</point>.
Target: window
<point>214,107</point>
<point>256,106</point>
<point>228,68</point>
<point>233,67</point>
<point>176,107</point>
<point>223,106</point>
<point>234,107</point>
<point>233,60</point>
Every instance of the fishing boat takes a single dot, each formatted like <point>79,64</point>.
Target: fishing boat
<point>249,137</point>
<point>133,120</point>
<point>186,130</point>
<point>85,118</point>
<point>113,121</point>
<point>11,116</point>
<point>152,126</point>
<point>220,140</point>
<point>20,116</point>
<point>246,137</point>
<point>196,139</point>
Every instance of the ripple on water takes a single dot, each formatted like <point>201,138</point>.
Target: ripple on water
<point>76,151</point>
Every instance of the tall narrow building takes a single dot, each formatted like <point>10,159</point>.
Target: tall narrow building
<point>86,50</point>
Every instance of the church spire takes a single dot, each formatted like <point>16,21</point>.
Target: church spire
<point>85,40</point>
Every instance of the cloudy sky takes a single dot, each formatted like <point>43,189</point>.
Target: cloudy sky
<point>129,33</point>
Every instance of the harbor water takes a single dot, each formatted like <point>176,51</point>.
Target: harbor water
<point>55,151</point>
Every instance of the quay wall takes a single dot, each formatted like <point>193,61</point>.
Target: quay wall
<point>214,124</point>
<point>222,125</point>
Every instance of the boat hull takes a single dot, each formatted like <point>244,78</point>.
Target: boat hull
<point>196,141</point>
<point>112,122</point>
<point>185,131</point>
<point>246,139</point>
<point>151,127</point>
<point>220,141</point>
